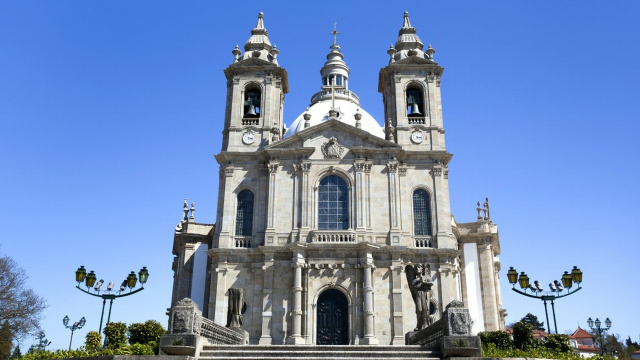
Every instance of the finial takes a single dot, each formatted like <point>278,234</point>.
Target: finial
<point>260,24</point>
<point>479,209</point>
<point>392,52</point>
<point>236,53</point>
<point>306,117</point>
<point>274,52</point>
<point>335,33</point>
<point>193,210</point>
<point>430,51</point>
<point>358,116</point>
<point>406,24</point>
<point>185,210</point>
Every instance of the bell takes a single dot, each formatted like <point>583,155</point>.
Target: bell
<point>415,110</point>
<point>252,110</point>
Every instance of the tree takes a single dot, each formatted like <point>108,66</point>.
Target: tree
<point>611,345</point>
<point>20,307</point>
<point>115,334</point>
<point>42,341</point>
<point>145,333</point>
<point>533,320</point>
<point>6,341</point>
<point>16,354</point>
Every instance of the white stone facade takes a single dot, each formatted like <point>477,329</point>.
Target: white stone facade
<point>288,260</point>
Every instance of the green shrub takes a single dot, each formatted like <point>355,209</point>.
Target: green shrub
<point>145,333</point>
<point>523,335</point>
<point>141,349</point>
<point>114,334</point>
<point>558,342</point>
<point>93,340</point>
<point>501,339</point>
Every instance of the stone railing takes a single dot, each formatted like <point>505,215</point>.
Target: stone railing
<point>219,335</point>
<point>451,334</point>
<point>340,94</point>
<point>333,236</point>
<point>423,242</point>
<point>250,121</point>
<point>189,331</point>
<point>242,241</point>
<point>416,120</point>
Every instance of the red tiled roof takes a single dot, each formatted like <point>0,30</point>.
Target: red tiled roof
<point>586,348</point>
<point>636,352</point>
<point>581,334</point>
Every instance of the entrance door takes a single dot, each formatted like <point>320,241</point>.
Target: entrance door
<point>333,318</point>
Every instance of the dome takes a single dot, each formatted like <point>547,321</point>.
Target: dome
<point>335,94</point>
<point>347,109</point>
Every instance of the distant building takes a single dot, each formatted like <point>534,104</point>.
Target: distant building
<point>635,355</point>
<point>583,343</point>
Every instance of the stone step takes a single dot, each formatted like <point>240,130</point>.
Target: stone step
<point>341,348</point>
<point>314,352</point>
<point>335,356</point>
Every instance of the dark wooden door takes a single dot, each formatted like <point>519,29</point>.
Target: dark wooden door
<point>333,318</point>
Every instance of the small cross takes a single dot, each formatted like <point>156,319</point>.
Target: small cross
<point>335,33</point>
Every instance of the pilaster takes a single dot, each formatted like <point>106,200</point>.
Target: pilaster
<point>268,268</point>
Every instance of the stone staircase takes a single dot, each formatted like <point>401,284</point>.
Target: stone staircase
<point>315,352</point>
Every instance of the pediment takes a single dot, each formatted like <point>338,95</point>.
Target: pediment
<point>332,139</point>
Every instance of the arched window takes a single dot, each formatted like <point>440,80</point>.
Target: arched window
<point>415,103</point>
<point>421,213</point>
<point>252,103</point>
<point>244,215</point>
<point>333,203</point>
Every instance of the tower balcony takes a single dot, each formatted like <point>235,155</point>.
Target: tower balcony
<point>344,94</point>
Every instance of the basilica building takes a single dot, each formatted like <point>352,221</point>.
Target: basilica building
<point>320,218</point>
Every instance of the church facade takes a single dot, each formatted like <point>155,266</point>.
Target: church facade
<point>319,222</point>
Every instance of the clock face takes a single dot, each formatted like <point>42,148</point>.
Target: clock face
<point>248,138</point>
<point>417,137</point>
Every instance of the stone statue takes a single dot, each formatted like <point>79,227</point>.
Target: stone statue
<point>234,312</point>
<point>419,279</point>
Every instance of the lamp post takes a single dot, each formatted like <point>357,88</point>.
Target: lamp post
<point>90,282</point>
<point>76,325</point>
<point>599,330</point>
<point>537,291</point>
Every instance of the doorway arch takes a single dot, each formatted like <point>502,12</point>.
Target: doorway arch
<point>332,318</point>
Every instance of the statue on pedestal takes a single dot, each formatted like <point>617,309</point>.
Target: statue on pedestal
<point>419,279</point>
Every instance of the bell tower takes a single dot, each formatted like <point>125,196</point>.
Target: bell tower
<point>256,86</point>
<point>410,87</point>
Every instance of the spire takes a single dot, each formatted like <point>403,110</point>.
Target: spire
<point>407,24</point>
<point>407,38</point>
<point>259,39</point>
<point>258,45</point>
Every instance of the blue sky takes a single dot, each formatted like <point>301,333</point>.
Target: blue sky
<point>111,112</point>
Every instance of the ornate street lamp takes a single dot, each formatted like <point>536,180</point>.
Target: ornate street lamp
<point>599,330</point>
<point>76,325</point>
<point>90,282</point>
<point>537,291</point>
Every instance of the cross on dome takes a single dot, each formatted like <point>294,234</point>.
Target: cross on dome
<point>335,34</point>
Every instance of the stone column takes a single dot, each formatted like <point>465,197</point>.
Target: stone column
<point>297,264</point>
<point>270,233</point>
<point>489,306</point>
<point>267,305</point>
<point>369,336</point>
<point>306,194</point>
<point>442,231</point>
<point>394,202</point>
<point>397,288</point>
